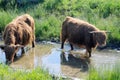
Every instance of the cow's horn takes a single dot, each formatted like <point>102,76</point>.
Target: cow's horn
<point>99,31</point>
<point>107,31</point>
<point>94,31</point>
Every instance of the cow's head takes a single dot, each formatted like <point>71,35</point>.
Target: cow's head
<point>100,37</point>
<point>10,51</point>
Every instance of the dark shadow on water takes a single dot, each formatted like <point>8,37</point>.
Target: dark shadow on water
<point>82,63</point>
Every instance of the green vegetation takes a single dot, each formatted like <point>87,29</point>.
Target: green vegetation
<point>101,73</point>
<point>105,73</point>
<point>49,15</point>
<point>7,73</point>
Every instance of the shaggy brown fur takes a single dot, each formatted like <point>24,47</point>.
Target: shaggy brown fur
<point>81,33</point>
<point>18,33</point>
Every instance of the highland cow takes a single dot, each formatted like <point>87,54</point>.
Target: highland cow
<point>17,34</point>
<point>82,33</point>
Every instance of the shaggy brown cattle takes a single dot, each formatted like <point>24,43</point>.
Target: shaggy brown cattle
<point>82,34</point>
<point>17,34</point>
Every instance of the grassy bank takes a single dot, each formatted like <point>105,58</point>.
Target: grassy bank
<point>7,73</point>
<point>49,15</point>
<point>105,73</point>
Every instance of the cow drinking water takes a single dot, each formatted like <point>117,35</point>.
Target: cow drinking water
<point>17,34</point>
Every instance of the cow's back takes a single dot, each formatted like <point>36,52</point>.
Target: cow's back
<point>23,34</point>
<point>78,30</point>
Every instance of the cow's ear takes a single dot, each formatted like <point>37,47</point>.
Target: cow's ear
<point>28,21</point>
<point>2,47</point>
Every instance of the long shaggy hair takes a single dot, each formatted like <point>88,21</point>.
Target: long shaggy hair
<point>81,33</point>
<point>18,34</point>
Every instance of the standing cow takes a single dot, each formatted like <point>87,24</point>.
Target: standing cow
<point>17,34</point>
<point>81,33</point>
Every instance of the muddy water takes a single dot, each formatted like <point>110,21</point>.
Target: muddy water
<point>64,62</point>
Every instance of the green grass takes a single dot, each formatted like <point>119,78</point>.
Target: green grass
<point>7,73</point>
<point>49,15</point>
<point>105,73</point>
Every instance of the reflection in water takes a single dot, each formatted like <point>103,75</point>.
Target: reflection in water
<point>26,61</point>
<point>74,66</point>
<point>51,62</point>
<point>65,64</point>
<point>74,62</point>
<point>105,59</point>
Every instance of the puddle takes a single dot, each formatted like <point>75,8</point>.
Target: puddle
<point>64,62</point>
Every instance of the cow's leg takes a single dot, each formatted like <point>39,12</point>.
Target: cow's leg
<point>89,50</point>
<point>15,56</point>
<point>12,57</point>
<point>71,46</point>
<point>89,53</point>
<point>23,50</point>
<point>63,58</point>
<point>62,44</point>
<point>33,42</point>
